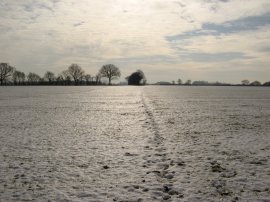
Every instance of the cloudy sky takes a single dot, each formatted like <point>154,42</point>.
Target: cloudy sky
<point>224,40</point>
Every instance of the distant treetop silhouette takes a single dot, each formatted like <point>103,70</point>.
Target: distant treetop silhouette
<point>136,78</point>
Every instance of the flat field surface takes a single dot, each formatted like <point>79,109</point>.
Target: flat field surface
<point>124,143</point>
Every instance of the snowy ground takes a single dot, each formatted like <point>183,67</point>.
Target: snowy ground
<point>134,143</point>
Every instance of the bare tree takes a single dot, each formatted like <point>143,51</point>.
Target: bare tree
<point>245,82</point>
<point>188,82</point>
<point>18,77</point>
<point>33,78</point>
<point>98,78</point>
<point>110,71</point>
<point>49,76</point>
<point>6,71</point>
<point>15,77</point>
<point>21,77</point>
<point>59,79</point>
<point>255,83</point>
<point>76,72</point>
<point>64,74</point>
<point>66,77</point>
<point>88,78</point>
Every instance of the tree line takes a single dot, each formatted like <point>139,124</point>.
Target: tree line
<point>73,75</point>
<point>244,82</point>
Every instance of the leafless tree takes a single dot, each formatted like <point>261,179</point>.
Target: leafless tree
<point>64,74</point>
<point>188,82</point>
<point>76,72</point>
<point>21,77</point>
<point>88,78</point>
<point>6,71</point>
<point>59,79</point>
<point>15,77</point>
<point>245,82</point>
<point>255,83</point>
<point>98,78</point>
<point>66,77</point>
<point>18,77</point>
<point>49,76</point>
<point>110,71</point>
<point>33,78</point>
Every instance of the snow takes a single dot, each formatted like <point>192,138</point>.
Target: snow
<point>123,143</point>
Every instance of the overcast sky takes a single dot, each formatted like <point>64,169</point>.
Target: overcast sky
<point>224,40</point>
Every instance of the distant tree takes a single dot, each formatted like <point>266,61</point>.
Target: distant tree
<point>136,78</point>
<point>179,81</point>
<point>200,83</point>
<point>59,79</point>
<point>66,77</point>
<point>245,82</point>
<point>110,71</point>
<point>76,73</point>
<point>16,77</point>
<point>6,71</point>
<point>88,78</point>
<point>188,82</point>
<point>64,74</point>
<point>33,78</point>
<point>21,78</point>
<point>267,83</point>
<point>49,76</point>
<point>98,78</point>
<point>173,82</point>
<point>255,83</point>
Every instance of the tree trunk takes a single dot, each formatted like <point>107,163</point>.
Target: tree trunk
<point>110,81</point>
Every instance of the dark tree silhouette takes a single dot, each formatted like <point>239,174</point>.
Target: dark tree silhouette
<point>136,78</point>
<point>109,71</point>
<point>98,78</point>
<point>49,76</point>
<point>179,81</point>
<point>255,83</point>
<point>64,74</point>
<point>66,79</point>
<point>267,83</point>
<point>245,82</point>
<point>188,82</point>
<point>59,80</point>
<point>88,78</point>
<point>6,71</point>
<point>21,77</point>
<point>18,77</point>
<point>75,72</point>
<point>33,78</point>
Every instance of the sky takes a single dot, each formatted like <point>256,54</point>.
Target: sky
<point>213,40</point>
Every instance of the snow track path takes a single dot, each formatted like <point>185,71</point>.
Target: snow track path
<point>158,161</point>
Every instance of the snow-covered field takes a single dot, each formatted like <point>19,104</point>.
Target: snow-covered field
<point>126,143</point>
